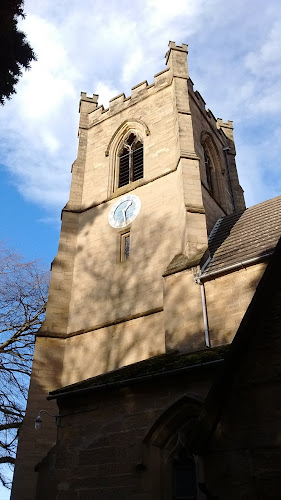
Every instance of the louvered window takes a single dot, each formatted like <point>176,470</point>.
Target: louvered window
<point>131,161</point>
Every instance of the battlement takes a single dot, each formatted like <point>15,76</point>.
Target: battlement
<point>227,128</point>
<point>87,103</point>
<point>200,98</point>
<point>180,48</point>
<point>221,123</point>
<point>223,127</point>
<point>138,92</point>
<point>176,62</point>
<point>139,87</point>
<point>176,67</point>
<point>93,99</point>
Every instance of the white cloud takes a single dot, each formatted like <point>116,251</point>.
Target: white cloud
<point>52,77</point>
<point>130,67</point>
<point>105,91</point>
<point>106,48</point>
<point>266,61</point>
<point>268,101</point>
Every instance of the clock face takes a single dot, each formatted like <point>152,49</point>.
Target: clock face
<point>124,211</point>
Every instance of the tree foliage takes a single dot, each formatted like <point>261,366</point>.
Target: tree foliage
<point>15,51</point>
<point>23,294</point>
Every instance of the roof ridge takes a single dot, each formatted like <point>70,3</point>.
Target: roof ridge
<point>264,202</point>
<point>214,232</point>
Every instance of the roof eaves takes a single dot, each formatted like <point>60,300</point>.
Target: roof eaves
<point>135,380</point>
<point>234,267</point>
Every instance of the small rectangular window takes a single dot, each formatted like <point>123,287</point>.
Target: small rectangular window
<point>125,246</point>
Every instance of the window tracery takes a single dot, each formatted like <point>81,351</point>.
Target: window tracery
<point>130,161</point>
<point>128,153</point>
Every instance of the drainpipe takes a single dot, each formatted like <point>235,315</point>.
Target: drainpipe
<point>225,150</point>
<point>204,311</point>
<point>199,280</point>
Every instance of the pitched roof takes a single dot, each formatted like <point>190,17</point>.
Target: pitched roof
<point>257,336</point>
<point>167,363</point>
<point>242,236</point>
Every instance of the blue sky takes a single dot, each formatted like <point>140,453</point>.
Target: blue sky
<point>106,48</point>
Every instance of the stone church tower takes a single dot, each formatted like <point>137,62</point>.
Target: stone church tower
<point>154,174</point>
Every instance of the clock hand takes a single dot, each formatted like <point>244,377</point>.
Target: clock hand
<point>125,210</point>
<point>128,205</point>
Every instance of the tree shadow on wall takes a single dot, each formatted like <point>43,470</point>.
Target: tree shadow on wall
<point>117,306</point>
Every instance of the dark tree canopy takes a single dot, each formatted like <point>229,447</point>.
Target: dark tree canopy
<point>15,51</point>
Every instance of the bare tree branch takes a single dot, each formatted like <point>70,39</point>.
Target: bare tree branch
<point>7,460</point>
<point>23,294</point>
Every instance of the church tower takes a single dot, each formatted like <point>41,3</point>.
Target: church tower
<point>154,173</point>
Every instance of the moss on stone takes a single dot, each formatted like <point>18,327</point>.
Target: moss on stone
<point>168,362</point>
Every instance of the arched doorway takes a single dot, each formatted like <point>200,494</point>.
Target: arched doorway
<point>173,470</point>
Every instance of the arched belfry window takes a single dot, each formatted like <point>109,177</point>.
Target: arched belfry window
<point>209,171</point>
<point>130,160</point>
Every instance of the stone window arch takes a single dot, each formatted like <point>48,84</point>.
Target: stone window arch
<point>126,153</point>
<point>170,449</point>
<point>211,173</point>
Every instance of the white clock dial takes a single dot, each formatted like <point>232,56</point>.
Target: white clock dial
<point>124,211</point>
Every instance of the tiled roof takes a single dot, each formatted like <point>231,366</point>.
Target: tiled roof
<point>245,235</point>
<point>164,363</point>
<point>257,338</point>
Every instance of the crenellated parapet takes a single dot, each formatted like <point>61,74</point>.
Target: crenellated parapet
<point>224,128</point>
<point>222,124</point>
<point>176,59</point>
<point>96,114</point>
<point>176,62</point>
<point>227,129</point>
<point>176,71</point>
<point>87,104</point>
<point>173,46</point>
